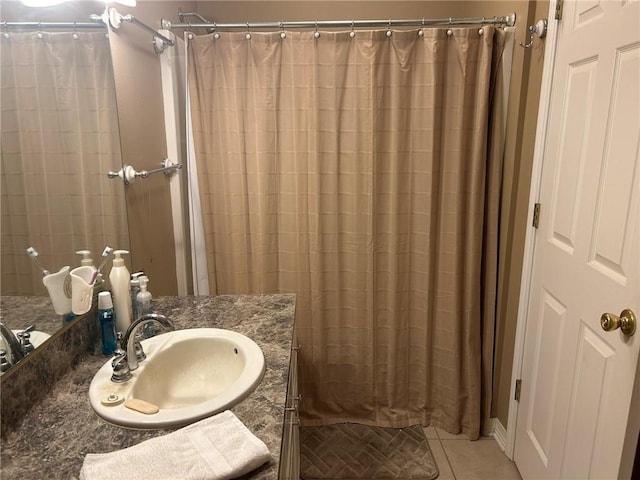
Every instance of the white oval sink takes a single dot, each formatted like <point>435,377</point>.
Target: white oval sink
<point>188,374</point>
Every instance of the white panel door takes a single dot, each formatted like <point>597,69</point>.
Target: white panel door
<point>577,379</point>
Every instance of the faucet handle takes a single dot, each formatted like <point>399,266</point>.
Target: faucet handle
<point>5,364</point>
<point>121,372</point>
<point>25,342</point>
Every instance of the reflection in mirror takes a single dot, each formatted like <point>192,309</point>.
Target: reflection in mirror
<point>59,139</point>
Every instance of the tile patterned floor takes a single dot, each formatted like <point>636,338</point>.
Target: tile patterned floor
<point>353,451</point>
<point>459,459</point>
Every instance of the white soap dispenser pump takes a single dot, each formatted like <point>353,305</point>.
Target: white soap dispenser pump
<point>86,258</point>
<point>87,261</point>
<point>119,280</point>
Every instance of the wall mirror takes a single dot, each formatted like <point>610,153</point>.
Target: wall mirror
<point>59,139</point>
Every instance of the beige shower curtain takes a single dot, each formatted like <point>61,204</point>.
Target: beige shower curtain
<point>59,139</point>
<point>358,173</point>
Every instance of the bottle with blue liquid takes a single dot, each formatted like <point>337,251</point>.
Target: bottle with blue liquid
<point>107,323</point>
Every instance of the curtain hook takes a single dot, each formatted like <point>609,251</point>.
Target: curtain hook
<point>352,33</point>
<point>421,31</point>
<point>283,35</point>
<point>216,35</point>
<point>316,34</point>
<point>75,35</point>
<point>539,30</point>
<point>248,35</point>
<point>389,33</point>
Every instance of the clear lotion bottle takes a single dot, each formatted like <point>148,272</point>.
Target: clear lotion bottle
<point>143,301</point>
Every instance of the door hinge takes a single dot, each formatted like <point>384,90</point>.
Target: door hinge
<point>518,387</point>
<point>559,7</point>
<point>536,215</point>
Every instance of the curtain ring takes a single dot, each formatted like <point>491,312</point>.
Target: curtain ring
<point>75,35</point>
<point>421,31</point>
<point>352,33</point>
<point>316,34</point>
<point>389,33</point>
<point>216,35</point>
<point>248,35</point>
<point>283,35</point>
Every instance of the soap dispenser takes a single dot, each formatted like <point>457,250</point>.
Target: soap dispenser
<point>86,258</point>
<point>119,280</point>
<point>135,289</point>
<point>143,302</point>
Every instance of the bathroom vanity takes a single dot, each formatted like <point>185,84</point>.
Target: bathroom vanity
<point>54,436</point>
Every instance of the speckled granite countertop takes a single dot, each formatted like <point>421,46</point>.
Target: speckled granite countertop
<point>57,433</point>
<point>19,312</point>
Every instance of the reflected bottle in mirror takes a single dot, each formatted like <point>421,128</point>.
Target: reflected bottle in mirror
<point>107,323</point>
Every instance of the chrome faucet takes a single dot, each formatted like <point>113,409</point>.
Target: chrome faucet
<point>129,340</point>
<point>16,351</point>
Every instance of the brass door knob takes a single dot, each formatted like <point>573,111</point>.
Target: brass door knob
<point>626,322</point>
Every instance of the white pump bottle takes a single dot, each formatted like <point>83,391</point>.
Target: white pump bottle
<point>86,258</point>
<point>120,288</point>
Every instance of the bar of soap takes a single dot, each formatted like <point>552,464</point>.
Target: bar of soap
<point>141,406</point>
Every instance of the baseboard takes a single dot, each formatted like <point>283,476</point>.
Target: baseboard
<point>499,433</point>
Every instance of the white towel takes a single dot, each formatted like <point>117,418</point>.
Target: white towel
<point>218,447</point>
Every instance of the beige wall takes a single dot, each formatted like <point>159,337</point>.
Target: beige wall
<point>524,95</point>
<point>141,117</point>
<point>522,121</point>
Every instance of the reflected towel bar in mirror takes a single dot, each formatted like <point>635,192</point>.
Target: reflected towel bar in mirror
<point>128,174</point>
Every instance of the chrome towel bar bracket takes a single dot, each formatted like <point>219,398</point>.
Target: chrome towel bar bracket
<point>114,19</point>
<point>129,174</point>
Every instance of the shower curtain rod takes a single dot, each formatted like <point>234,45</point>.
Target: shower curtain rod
<point>50,25</point>
<point>507,20</point>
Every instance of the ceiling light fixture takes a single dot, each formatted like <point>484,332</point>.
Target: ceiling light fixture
<point>50,3</point>
<point>42,3</point>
